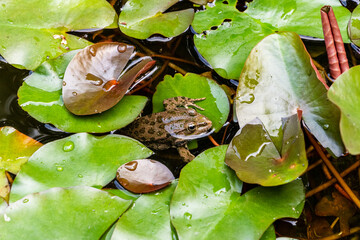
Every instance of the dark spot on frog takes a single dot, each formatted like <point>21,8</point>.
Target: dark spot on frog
<point>152,123</point>
<point>162,126</point>
<point>151,131</point>
<point>159,119</point>
<point>152,139</point>
<point>159,133</point>
<point>142,130</point>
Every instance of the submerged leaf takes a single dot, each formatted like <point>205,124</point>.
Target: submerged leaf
<point>81,159</point>
<point>345,93</point>
<point>62,213</point>
<point>95,79</point>
<point>144,175</point>
<point>15,150</point>
<point>279,80</point>
<point>30,37</point>
<point>216,105</point>
<point>40,95</point>
<point>141,19</point>
<point>354,27</point>
<point>255,158</point>
<point>148,218</point>
<point>207,203</point>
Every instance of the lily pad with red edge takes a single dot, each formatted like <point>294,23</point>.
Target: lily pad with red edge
<point>41,96</point>
<point>95,79</point>
<point>216,105</point>
<point>80,159</point>
<point>144,175</point>
<point>62,213</point>
<point>141,19</point>
<point>147,218</point>
<point>345,92</point>
<point>255,158</point>
<point>15,150</point>
<point>207,203</point>
<point>279,80</point>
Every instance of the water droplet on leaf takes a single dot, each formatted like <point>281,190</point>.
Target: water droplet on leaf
<point>68,146</point>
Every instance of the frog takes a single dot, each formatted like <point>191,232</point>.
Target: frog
<point>172,128</point>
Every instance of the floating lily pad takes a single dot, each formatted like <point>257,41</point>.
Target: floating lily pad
<point>40,95</point>
<point>73,213</point>
<point>243,30</point>
<point>255,158</point>
<point>141,19</point>
<point>216,105</point>
<point>207,204</point>
<point>15,150</point>
<point>269,234</point>
<point>302,17</point>
<point>29,38</point>
<point>148,218</point>
<point>278,80</point>
<point>144,175</point>
<point>95,79</point>
<point>81,159</point>
<point>354,27</point>
<point>345,92</point>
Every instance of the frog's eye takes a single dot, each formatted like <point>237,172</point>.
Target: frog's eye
<point>191,127</point>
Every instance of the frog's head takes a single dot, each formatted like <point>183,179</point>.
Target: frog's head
<point>189,124</point>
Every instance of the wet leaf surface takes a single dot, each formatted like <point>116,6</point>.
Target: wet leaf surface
<point>81,159</point>
<point>148,218</point>
<point>243,30</point>
<point>40,95</point>
<point>144,175</point>
<point>345,92</point>
<point>141,19</point>
<point>277,81</point>
<point>95,79</point>
<point>337,206</point>
<point>354,27</point>
<point>207,201</point>
<point>71,213</point>
<point>216,105</point>
<point>29,38</point>
<point>255,158</point>
<point>15,150</point>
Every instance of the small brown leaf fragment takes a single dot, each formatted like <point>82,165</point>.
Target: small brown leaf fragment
<point>337,206</point>
<point>144,176</point>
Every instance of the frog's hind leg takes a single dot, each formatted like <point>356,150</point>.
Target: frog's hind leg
<point>185,154</point>
<point>175,102</point>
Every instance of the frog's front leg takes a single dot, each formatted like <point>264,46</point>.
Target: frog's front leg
<point>175,102</point>
<point>185,153</point>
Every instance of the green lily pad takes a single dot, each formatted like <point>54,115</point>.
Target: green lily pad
<point>345,93</point>
<point>255,158</point>
<point>15,150</point>
<point>302,17</point>
<point>269,234</point>
<point>148,218</point>
<point>73,213</point>
<point>81,159</point>
<point>354,27</point>
<point>216,105</point>
<point>278,80</point>
<point>30,37</point>
<point>243,30</point>
<point>141,19</point>
<point>227,55</point>
<point>40,95</point>
<point>207,204</point>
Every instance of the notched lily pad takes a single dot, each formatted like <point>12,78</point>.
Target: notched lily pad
<point>255,158</point>
<point>279,80</point>
<point>41,96</point>
<point>144,175</point>
<point>345,93</point>
<point>141,19</point>
<point>81,159</point>
<point>95,79</point>
<point>62,213</point>
<point>15,150</point>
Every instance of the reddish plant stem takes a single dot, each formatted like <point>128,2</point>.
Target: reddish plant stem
<point>213,141</point>
<point>333,170</point>
<point>335,49</point>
